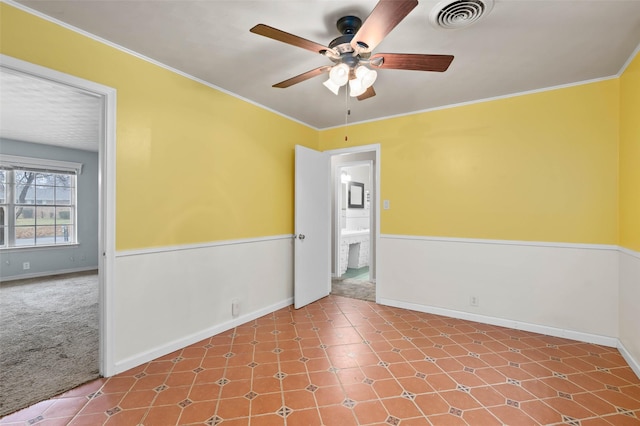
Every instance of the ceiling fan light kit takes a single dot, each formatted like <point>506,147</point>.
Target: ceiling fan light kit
<point>352,51</point>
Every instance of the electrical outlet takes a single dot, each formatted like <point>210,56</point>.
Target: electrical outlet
<point>26,265</point>
<point>474,301</point>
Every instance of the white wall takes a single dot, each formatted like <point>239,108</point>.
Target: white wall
<point>169,298</point>
<point>569,290</point>
<point>630,307</point>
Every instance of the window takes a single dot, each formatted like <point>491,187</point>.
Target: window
<point>37,206</point>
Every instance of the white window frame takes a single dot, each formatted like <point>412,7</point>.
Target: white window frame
<point>10,163</point>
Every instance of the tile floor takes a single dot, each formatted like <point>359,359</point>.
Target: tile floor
<point>343,361</point>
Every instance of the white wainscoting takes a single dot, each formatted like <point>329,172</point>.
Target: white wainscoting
<point>568,290</point>
<point>630,307</point>
<point>172,297</point>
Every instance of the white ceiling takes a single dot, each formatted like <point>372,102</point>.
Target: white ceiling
<point>40,111</point>
<point>521,45</point>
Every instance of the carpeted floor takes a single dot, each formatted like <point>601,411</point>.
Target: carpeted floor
<point>48,337</point>
<point>354,284</point>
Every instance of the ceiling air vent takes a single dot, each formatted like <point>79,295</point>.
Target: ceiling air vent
<point>454,14</point>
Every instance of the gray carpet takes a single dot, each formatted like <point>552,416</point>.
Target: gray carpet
<point>48,337</point>
<point>354,288</point>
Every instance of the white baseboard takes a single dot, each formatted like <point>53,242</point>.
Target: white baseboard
<point>49,274</point>
<point>157,352</point>
<point>518,325</point>
<point>634,364</point>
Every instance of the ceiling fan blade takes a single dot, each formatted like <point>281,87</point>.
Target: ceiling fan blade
<point>302,77</point>
<point>294,40</point>
<point>368,94</point>
<point>411,61</point>
<point>384,18</point>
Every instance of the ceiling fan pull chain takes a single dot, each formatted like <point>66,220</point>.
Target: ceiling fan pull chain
<point>347,114</point>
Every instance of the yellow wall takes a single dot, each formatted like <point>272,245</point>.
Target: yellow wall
<point>538,167</point>
<point>193,164</point>
<point>630,156</point>
<point>197,165</point>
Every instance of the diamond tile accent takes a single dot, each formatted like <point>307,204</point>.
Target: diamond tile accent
<point>564,395</point>
<point>455,411</point>
<point>229,355</point>
<point>383,364</point>
<point>625,412</point>
<point>613,388</point>
<point>280,375</point>
<point>604,370</point>
<point>297,339</point>
<point>393,421</point>
<point>428,358</point>
<point>438,346</point>
<point>208,346</point>
<point>161,388</point>
<point>284,411</point>
<point>477,342</point>
<point>514,364</point>
<point>333,369</point>
<point>560,375</point>
<point>514,338</point>
<point>407,338</point>
<point>223,381</point>
<point>252,364</point>
<point>513,382</point>
<point>293,323</point>
<point>349,403</point>
<point>197,370</point>
<point>94,395</point>
<point>512,403</point>
<point>378,331</point>
<point>35,420</point>
<point>274,332</point>
<point>323,346</point>
<point>555,358</point>
<point>140,375</point>
<point>396,350</point>
<point>214,421</point>
<point>111,411</point>
<point>594,354</point>
<point>552,346</point>
<point>474,355</point>
<point>408,395</point>
<point>251,395</point>
<point>303,359</point>
<point>185,403</point>
<point>312,388</point>
<point>514,350</point>
<point>277,351</point>
<point>368,381</point>
<point>254,342</point>
<point>463,388</point>
<point>470,370</point>
<point>570,421</point>
<point>445,335</point>
<point>177,359</point>
<point>420,375</point>
<point>366,342</point>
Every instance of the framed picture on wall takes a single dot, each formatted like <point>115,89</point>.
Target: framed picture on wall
<point>356,195</point>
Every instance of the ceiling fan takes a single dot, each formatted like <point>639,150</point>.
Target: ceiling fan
<point>352,51</point>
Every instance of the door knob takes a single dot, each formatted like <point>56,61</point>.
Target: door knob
<point>301,237</point>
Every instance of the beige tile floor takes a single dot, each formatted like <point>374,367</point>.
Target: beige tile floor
<point>343,361</point>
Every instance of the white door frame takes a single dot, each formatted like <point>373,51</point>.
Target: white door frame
<point>106,197</point>
<point>375,202</point>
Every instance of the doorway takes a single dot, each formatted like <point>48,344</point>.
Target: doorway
<point>105,223</point>
<point>354,223</point>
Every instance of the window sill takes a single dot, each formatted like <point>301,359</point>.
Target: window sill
<point>42,247</point>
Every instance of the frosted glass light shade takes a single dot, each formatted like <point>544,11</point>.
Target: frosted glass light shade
<point>366,76</point>
<point>329,84</point>
<point>339,74</point>
<point>356,88</point>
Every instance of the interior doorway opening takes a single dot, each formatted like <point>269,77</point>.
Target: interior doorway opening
<point>354,224</point>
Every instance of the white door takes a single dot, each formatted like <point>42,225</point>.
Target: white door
<point>312,262</point>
